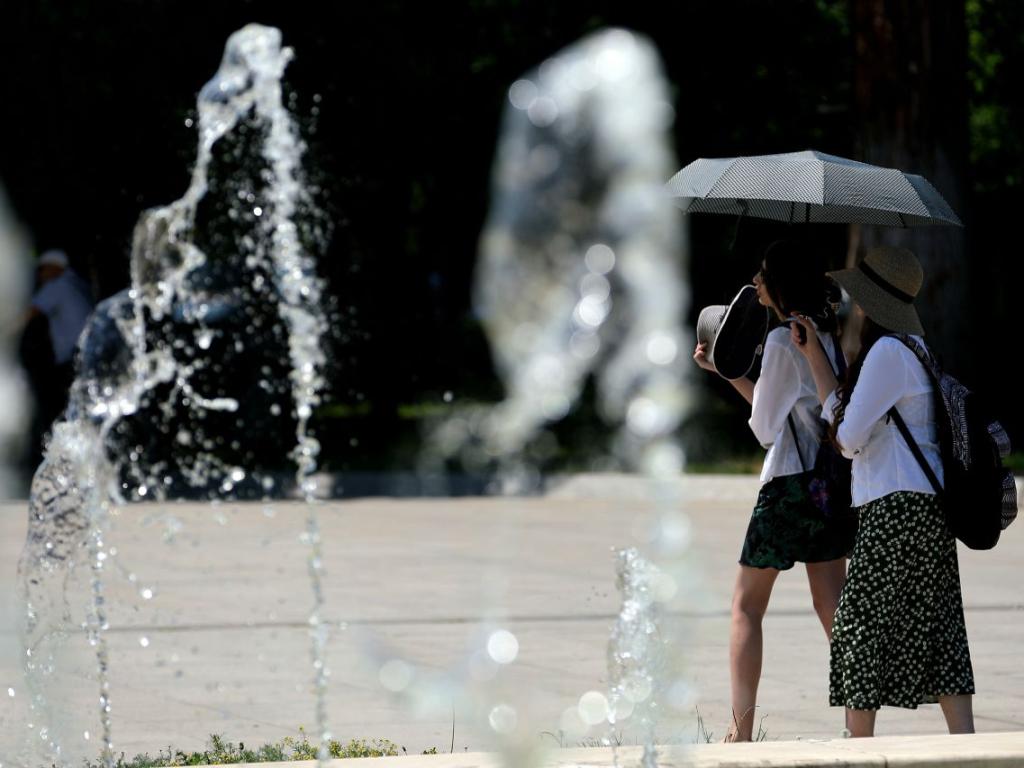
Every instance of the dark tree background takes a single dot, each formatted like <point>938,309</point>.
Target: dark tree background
<point>401,103</point>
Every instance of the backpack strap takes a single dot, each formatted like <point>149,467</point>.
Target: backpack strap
<point>927,363</point>
<point>839,356</point>
<point>915,449</point>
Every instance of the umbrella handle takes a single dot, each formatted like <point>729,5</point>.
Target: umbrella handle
<point>739,218</point>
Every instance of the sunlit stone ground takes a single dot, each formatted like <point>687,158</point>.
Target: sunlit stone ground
<point>222,647</point>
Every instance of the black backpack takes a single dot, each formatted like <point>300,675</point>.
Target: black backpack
<point>980,494</point>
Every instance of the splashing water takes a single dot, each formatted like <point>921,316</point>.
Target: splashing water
<point>579,268</point>
<point>12,299</point>
<point>579,275</point>
<point>153,361</point>
<point>637,654</point>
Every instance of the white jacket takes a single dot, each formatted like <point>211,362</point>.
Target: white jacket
<point>786,386</point>
<point>882,461</point>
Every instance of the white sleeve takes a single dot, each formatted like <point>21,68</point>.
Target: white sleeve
<point>882,382</point>
<point>828,408</point>
<point>47,298</point>
<point>775,393</point>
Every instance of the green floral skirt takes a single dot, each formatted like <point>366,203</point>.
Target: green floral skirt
<point>898,638</point>
<point>787,528</point>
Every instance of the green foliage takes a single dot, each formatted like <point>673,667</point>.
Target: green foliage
<point>1015,462</point>
<point>995,50</point>
<point>221,752</point>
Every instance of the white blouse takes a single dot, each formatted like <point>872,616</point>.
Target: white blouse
<point>786,385</point>
<point>882,461</point>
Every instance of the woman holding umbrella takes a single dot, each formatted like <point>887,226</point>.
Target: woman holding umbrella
<point>786,526</point>
<point>898,637</point>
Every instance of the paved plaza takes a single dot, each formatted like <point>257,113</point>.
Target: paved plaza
<point>223,645</point>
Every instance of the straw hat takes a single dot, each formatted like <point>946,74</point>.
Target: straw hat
<point>885,284</point>
<point>734,333</point>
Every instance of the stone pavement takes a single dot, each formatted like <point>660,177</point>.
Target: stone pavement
<point>223,646</point>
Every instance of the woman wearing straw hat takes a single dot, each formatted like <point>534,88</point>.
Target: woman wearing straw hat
<point>898,637</point>
<point>786,527</point>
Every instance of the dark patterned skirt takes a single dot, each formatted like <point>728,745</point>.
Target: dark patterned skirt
<point>899,638</point>
<point>787,528</point>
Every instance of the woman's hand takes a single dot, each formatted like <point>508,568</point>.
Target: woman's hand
<point>700,358</point>
<point>824,377</point>
<point>801,331</point>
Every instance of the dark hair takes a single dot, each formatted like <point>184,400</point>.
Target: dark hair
<point>870,333</point>
<point>794,276</point>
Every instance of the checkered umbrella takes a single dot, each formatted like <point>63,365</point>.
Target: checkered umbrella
<point>809,187</point>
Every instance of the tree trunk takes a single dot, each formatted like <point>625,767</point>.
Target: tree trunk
<point>911,97</point>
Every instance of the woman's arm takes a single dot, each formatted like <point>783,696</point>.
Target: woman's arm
<point>882,382</point>
<point>744,386</point>
<point>776,392</point>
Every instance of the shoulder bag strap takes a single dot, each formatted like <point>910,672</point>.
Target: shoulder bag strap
<point>839,367</point>
<point>796,441</point>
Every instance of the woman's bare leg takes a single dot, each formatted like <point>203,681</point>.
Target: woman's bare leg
<point>749,603</point>
<point>959,712</point>
<point>860,722</point>
<point>826,581</point>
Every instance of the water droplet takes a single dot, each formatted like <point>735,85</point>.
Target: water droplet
<point>144,641</point>
<point>646,417</point>
<point>622,710</point>
<point>600,259</point>
<point>503,719</point>
<point>85,735</point>
<point>10,692</point>
<point>591,311</point>
<point>395,675</point>
<point>448,396</point>
<point>147,593</point>
<point>595,286</point>
<point>593,707</point>
<point>584,344</point>
<point>188,124</point>
<point>637,689</point>
<point>662,349</point>
<point>502,646</point>
<point>522,93</point>
<point>257,211</point>
<point>543,111</point>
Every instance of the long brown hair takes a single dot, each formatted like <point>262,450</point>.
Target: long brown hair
<point>870,333</point>
<point>794,278</point>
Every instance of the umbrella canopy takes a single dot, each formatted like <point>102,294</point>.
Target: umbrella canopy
<point>809,187</point>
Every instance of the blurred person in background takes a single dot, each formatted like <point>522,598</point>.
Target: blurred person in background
<point>58,312</point>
